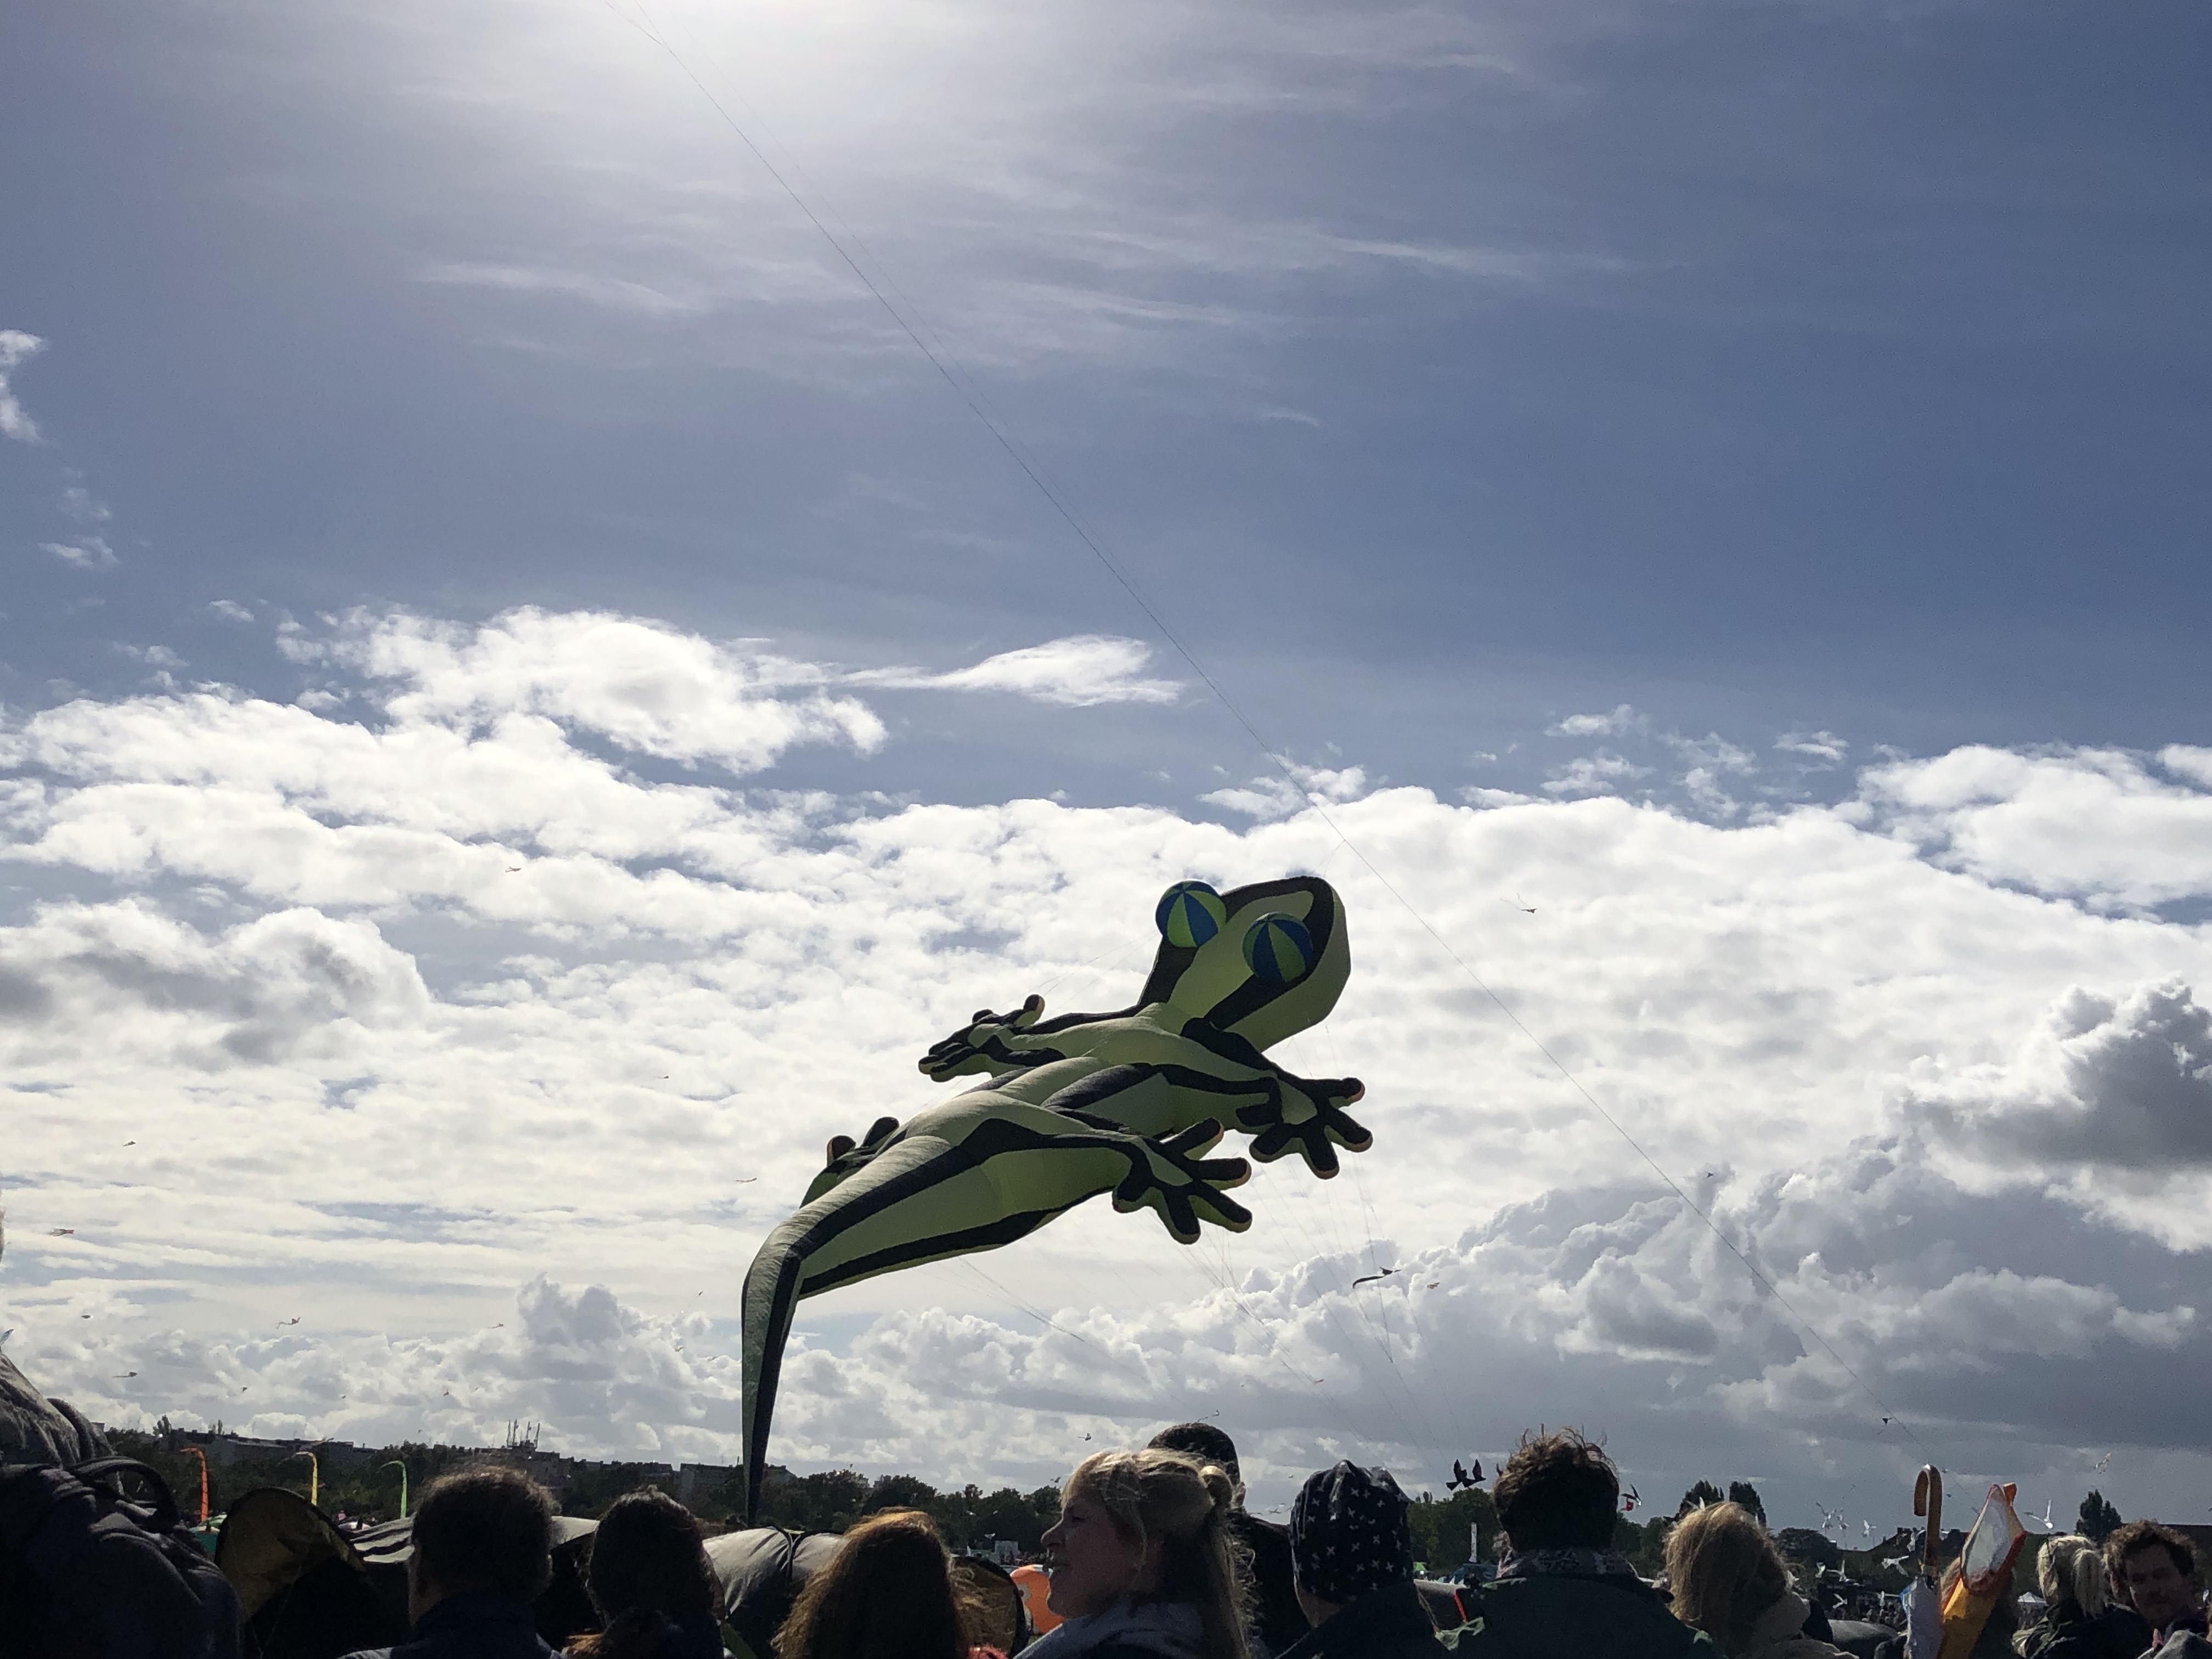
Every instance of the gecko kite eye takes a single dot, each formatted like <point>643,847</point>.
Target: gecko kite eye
<point>1190,913</point>
<point>1278,947</point>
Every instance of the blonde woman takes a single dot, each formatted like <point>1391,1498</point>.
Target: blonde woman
<point>2083,1622</point>
<point>1143,1563</point>
<point>1731,1582</point>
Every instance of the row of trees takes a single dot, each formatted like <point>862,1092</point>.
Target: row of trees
<point>833,1500</point>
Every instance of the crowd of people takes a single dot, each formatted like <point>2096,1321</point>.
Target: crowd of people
<point>1155,1557</point>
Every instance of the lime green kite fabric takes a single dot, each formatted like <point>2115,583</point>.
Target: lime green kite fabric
<point>1126,1103</point>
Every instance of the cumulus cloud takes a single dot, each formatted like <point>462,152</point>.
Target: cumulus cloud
<point>646,686</point>
<point>2023,818</point>
<point>2110,1100</point>
<point>395,1013</point>
<point>16,347</point>
<point>1080,672</point>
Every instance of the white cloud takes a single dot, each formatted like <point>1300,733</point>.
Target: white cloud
<point>1271,796</point>
<point>2108,1102</point>
<point>1081,670</point>
<point>1602,773</point>
<point>2096,823</point>
<point>395,1017</point>
<point>16,347</point>
<point>1823,746</point>
<point>86,553</point>
<point>230,610</point>
<point>1623,720</point>
<point>645,686</point>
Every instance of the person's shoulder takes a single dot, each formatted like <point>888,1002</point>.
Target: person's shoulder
<point>1256,1530</point>
<point>1547,1614</point>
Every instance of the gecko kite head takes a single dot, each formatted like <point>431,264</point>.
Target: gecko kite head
<point>1264,960</point>
<point>844,1155</point>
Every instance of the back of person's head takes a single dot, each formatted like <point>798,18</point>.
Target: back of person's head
<point>1206,1443</point>
<point>2070,1573</point>
<point>1724,1572</point>
<point>1348,1534</point>
<point>888,1593</point>
<point>488,1529</point>
<point>2139,1536</point>
<point>1558,1492</point>
<point>649,1566</point>
<point>1185,1504</point>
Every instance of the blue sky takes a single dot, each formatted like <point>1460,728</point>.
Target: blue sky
<point>1791,416</point>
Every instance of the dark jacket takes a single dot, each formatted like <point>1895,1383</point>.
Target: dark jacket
<point>1572,1616</point>
<point>1389,1623</point>
<point>2117,1632</point>
<point>472,1625</point>
<point>1277,1619</point>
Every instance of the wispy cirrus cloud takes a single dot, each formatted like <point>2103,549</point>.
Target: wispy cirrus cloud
<point>1079,671</point>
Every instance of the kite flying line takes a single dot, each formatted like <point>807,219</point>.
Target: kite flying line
<point>1036,473</point>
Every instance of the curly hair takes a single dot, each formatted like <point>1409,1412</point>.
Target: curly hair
<point>1725,1572</point>
<point>1558,1491</point>
<point>2139,1536</point>
<point>1185,1504</point>
<point>888,1593</point>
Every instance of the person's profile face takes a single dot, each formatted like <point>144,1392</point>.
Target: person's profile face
<point>2156,1586</point>
<point>1093,1564</point>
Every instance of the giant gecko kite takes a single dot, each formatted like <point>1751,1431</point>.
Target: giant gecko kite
<point>1126,1103</point>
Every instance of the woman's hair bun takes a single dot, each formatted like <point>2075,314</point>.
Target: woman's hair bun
<point>1219,1486</point>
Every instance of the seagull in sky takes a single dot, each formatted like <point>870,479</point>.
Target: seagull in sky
<point>65,1232</point>
<point>1371,1278</point>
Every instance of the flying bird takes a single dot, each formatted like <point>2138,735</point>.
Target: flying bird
<point>130,1143</point>
<point>84,1315</point>
<point>1893,1562</point>
<point>1371,1278</point>
<point>65,1232</point>
<point>123,1376</point>
<point>2105,1459</point>
<point>747,1180</point>
<point>1460,1477</point>
<point>513,869</point>
<point>1434,1283</point>
<point>294,1319</point>
<point>1086,1437</point>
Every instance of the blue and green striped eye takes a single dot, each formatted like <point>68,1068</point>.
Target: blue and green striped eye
<point>1190,913</point>
<point>1278,947</point>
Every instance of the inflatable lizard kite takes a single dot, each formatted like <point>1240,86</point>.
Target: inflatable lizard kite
<point>1126,1103</point>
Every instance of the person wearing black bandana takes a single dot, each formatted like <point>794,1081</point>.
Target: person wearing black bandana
<point>1353,1558</point>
